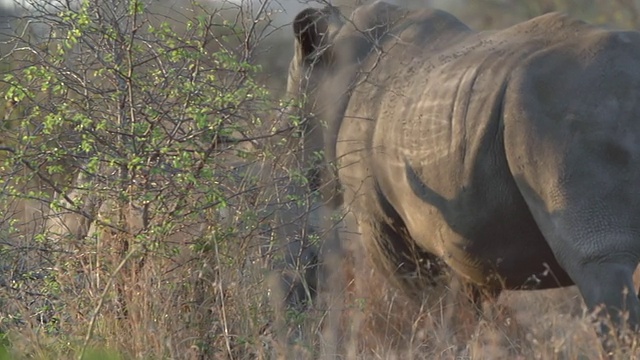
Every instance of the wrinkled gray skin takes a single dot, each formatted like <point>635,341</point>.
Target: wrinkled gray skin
<point>512,156</point>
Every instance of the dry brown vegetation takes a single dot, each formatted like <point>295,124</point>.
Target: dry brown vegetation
<point>181,255</point>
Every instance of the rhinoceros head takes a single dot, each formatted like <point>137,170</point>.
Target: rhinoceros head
<point>330,49</point>
<point>313,30</point>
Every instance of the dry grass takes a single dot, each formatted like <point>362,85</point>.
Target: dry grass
<point>378,322</point>
<point>211,305</point>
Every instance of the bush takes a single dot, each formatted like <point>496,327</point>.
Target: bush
<point>144,181</point>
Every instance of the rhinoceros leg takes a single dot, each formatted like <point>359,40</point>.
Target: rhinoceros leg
<point>610,284</point>
<point>601,265</point>
<point>602,269</point>
<point>392,251</point>
<point>609,288</point>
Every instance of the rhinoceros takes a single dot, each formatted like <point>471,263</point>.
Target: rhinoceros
<point>510,158</point>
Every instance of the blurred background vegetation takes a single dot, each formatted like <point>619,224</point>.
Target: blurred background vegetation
<point>150,187</point>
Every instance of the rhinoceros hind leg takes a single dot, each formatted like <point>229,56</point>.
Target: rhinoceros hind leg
<point>609,286</point>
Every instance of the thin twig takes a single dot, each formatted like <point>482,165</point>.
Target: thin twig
<point>96,311</point>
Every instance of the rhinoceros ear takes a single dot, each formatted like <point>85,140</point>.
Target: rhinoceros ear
<point>309,28</point>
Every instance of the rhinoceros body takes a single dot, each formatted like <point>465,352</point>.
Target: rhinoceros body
<point>511,156</point>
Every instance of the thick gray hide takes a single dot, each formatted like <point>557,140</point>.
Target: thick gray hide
<point>512,156</point>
